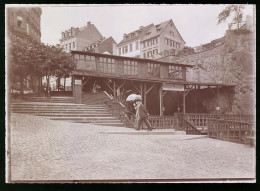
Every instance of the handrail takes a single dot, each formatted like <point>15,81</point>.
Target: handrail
<point>235,131</point>
<point>191,129</point>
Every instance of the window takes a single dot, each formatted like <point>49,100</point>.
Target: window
<point>136,46</point>
<point>126,49</point>
<point>166,41</point>
<point>130,67</point>
<point>119,51</point>
<point>155,51</point>
<point>147,34</point>
<point>150,43</point>
<point>144,45</point>
<point>90,62</point>
<point>73,45</point>
<point>69,46</point>
<point>130,47</point>
<point>19,21</point>
<point>86,62</point>
<point>171,33</point>
<point>144,55</point>
<point>172,43</point>
<point>153,69</point>
<point>155,41</point>
<point>149,54</point>
<point>107,65</point>
<point>66,46</point>
<point>175,72</point>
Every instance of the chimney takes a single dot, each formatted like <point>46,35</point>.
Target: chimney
<point>124,35</point>
<point>88,24</point>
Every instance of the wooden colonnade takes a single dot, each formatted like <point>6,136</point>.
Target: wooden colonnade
<point>143,88</point>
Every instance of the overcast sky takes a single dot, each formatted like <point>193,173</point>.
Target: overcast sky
<point>196,23</point>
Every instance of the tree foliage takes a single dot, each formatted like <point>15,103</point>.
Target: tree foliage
<point>232,10</point>
<point>29,58</point>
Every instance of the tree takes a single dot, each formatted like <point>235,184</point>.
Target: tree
<point>32,59</point>
<point>235,10</point>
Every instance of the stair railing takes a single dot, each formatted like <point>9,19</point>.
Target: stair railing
<point>118,110</point>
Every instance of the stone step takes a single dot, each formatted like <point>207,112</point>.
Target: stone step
<point>55,105</point>
<point>104,121</point>
<point>60,111</point>
<point>68,115</point>
<point>80,118</point>
<point>146,132</point>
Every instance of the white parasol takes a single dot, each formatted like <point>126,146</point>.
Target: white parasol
<point>131,97</point>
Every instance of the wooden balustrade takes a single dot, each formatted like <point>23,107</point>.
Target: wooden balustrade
<point>235,131</point>
<point>163,122</point>
<point>201,120</point>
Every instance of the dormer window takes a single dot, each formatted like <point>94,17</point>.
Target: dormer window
<point>147,34</point>
<point>158,30</point>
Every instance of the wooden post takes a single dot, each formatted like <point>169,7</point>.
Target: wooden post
<point>161,101</point>
<point>145,94</point>
<point>114,89</point>
<point>184,110</point>
<point>78,89</point>
<point>218,99</point>
<point>228,132</point>
<point>73,84</point>
<point>239,133</point>
<point>142,91</point>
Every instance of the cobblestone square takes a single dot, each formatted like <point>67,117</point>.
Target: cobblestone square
<point>44,150</point>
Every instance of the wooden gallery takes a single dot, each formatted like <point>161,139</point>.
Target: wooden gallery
<point>167,95</point>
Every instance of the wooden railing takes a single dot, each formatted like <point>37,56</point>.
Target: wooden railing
<point>163,122</point>
<point>201,119</point>
<point>118,110</point>
<point>191,129</point>
<point>235,131</point>
<point>95,98</point>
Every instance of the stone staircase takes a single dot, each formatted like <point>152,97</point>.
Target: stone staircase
<point>63,108</point>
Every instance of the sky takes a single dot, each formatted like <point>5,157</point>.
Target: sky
<point>197,24</point>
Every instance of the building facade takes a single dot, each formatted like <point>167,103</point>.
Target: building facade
<point>80,38</point>
<point>130,45</point>
<point>152,41</point>
<point>26,20</point>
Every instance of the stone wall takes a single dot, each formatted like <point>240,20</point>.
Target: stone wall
<point>229,63</point>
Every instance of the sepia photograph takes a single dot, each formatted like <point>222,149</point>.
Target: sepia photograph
<point>130,93</point>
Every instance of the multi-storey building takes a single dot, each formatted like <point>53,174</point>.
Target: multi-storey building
<point>104,46</point>
<point>164,39</point>
<point>152,41</point>
<point>80,38</point>
<point>26,20</point>
<point>130,45</point>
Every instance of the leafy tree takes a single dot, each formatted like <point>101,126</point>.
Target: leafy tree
<point>29,58</point>
<point>235,10</point>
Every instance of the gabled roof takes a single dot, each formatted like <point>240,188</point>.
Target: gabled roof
<point>159,29</point>
<point>108,39</point>
<point>140,33</point>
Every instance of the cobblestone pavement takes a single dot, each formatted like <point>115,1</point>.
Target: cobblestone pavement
<point>43,149</point>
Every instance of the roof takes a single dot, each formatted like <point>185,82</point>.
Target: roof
<point>140,33</point>
<point>154,32</point>
<point>136,78</point>
<point>128,58</point>
<point>205,83</point>
<point>162,27</point>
